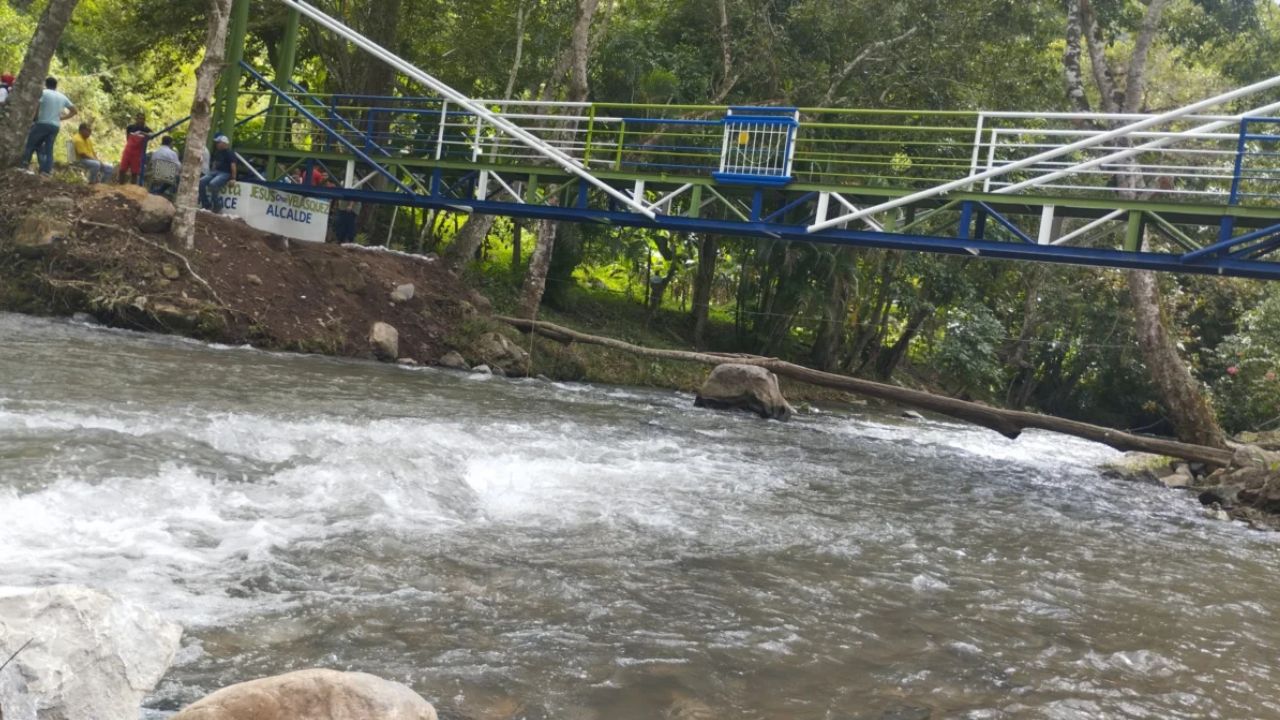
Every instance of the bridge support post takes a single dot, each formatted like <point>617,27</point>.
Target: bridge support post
<point>1133,233</point>
<point>278,122</point>
<point>225,118</point>
<point>1047,225</point>
<point>965,231</point>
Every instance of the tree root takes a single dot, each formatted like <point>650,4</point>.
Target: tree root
<point>185,261</point>
<point>1009,423</point>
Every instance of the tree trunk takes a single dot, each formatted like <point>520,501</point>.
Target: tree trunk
<point>889,360</point>
<point>1009,423</point>
<point>517,252</point>
<point>835,312</point>
<point>658,290</point>
<point>17,111</point>
<point>703,283</point>
<point>535,278</point>
<point>575,60</point>
<point>1192,418</point>
<point>1181,395</point>
<point>468,241</point>
<point>207,75</point>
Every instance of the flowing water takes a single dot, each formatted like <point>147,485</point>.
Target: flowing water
<point>521,549</point>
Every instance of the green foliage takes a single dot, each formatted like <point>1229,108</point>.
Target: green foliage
<point>967,351</point>
<point>1246,370</point>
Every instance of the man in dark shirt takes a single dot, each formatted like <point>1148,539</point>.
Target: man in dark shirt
<point>222,170</point>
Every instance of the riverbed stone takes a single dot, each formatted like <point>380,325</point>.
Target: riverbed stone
<point>744,387</point>
<point>499,351</point>
<point>402,293</point>
<point>314,695</point>
<point>1254,456</point>
<point>453,360</point>
<point>384,340</point>
<point>482,370</point>
<point>91,655</point>
<point>1181,477</point>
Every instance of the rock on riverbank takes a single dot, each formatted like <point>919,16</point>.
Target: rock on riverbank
<point>314,695</point>
<point>80,654</point>
<point>1247,490</point>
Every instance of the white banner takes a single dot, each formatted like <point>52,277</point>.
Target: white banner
<point>293,216</point>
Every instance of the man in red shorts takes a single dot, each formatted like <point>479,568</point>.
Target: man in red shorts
<point>135,140</point>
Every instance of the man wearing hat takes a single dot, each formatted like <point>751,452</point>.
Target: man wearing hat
<point>6,86</point>
<point>222,170</point>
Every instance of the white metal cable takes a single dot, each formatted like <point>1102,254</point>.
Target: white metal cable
<point>548,151</point>
<point>1064,150</point>
<point>1146,147</point>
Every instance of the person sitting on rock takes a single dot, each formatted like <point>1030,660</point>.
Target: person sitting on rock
<point>135,139</point>
<point>222,170</point>
<point>6,86</point>
<point>87,155</point>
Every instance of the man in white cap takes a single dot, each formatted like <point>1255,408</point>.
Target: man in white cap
<point>222,170</point>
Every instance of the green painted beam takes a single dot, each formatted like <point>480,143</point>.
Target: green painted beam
<point>1173,232</point>
<point>229,100</point>
<point>277,119</point>
<point>1133,233</point>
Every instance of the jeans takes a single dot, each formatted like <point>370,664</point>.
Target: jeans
<point>40,143</point>
<point>163,189</point>
<point>98,170</point>
<point>210,187</point>
<point>344,226</point>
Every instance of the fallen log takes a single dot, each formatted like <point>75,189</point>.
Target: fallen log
<point>1009,423</point>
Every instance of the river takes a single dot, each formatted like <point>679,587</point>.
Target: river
<point>517,548</point>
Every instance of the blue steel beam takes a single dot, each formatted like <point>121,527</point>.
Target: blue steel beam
<point>1066,255</point>
<point>328,130</point>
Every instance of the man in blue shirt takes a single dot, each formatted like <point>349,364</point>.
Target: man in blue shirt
<point>222,170</point>
<point>48,122</point>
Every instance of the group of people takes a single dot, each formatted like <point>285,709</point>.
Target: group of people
<point>220,167</point>
<point>55,108</point>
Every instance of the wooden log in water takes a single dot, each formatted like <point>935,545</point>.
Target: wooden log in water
<point>1009,423</point>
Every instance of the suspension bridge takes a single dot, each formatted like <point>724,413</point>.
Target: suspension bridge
<point>1186,190</point>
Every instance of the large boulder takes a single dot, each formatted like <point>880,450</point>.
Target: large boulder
<point>384,340</point>
<point>43,225</point>
<point>453,360</point>
<point>499,351</point>
<point>744,387</point>
<point>90,655</point>
<point>313,695</point>
<point>155,214</point>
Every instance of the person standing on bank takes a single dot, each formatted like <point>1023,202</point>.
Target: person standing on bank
<point>222,170</point>
<point>44,131</point>
<point>135,137</point>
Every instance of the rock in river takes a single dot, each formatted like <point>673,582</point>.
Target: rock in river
<point>90,655</point>
<point>453,360</point>
<point>313,695</point>
<point>745,387</point>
